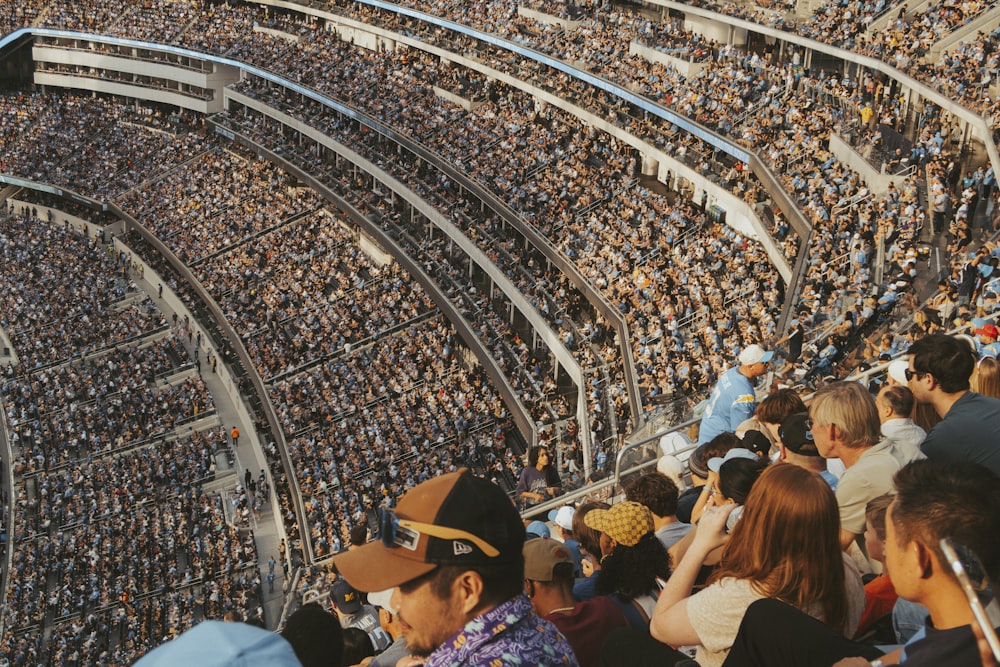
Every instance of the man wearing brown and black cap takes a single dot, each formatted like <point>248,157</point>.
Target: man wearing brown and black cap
<point>452,552</point>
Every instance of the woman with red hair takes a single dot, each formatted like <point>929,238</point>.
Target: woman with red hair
<point>786,546</point>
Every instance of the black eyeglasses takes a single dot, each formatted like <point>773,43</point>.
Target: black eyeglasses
<point>395,532</point>
<point>809,424</point>
<point>913,374</point>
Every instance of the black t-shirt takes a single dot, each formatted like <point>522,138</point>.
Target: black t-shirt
<point>686,503</point>
<point>955,647</point>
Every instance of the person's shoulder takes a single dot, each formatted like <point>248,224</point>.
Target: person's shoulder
<point>968,409</point>
<point>973,398</point>
<point>880,456</point>
<point>536,642</point>
<point>596,609</point>
<point>954,646</point>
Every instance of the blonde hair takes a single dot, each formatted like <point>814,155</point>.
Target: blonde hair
<point>986,377</point>
<point>852,408</point>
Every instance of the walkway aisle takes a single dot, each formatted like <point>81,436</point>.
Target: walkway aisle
<point>249,456</point>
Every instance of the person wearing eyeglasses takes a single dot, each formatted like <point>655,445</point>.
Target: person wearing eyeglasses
<point>452,553</point>
<point>938,374</point>
<point>844,423</point>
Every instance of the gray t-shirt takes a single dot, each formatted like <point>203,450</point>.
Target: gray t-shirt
<point>367,619</point>
<point>672,533</point>
<point>391,655</point>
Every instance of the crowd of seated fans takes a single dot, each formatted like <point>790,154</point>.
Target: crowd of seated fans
<point>120,135</point>
<point>199,217</point>
<point>588,39</point>
<point>747,65</point>
<point>582,239</point>
<point>708,78</point>
<point>397,402</point>
<point>118,547</point>
<point>835,296</point>
<point>323,304</point>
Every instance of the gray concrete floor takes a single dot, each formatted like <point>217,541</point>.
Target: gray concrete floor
<point>249,455</point>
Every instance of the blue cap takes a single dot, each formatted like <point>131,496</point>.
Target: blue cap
<point>220,644</point>
<point>537,529</point>
<point>716,462</point>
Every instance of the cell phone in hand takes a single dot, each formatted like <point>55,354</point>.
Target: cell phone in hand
<point>734,517</point>
<point>972,577</point>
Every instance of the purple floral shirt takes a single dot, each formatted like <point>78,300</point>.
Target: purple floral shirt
<point>509,634</point>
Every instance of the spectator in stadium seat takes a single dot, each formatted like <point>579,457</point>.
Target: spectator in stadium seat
<point>539,480</point>
<point>357,647</point>
<point>922,512</point>
<point>734,398</point>
<point>703,479</point>
<point>452,552</point>
<point>797,447</point>
<point>632,559</point>
<point>316,636</point>
<point>353,613</point>
<point>844,424</point>
<point>939,370</point>
<point>390,623</point>
<point>985,379</point>
<point>562,519</point>
<point>785,547</point>
<point>772,411</point>
<point>548,583</point>
<point>895,405</point>
<point>880,595</point>
<point>659,494</point>
<point>585,586</point>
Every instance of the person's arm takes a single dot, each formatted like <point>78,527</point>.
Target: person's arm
<point>553,485</point>
<point>851,493</point>
<point>929,446</point>
<point>670,623</point>
<point>743,408</point>
<point>846,537</point>
<point>522,483</point>
<point>522,490</point>
<point>891,658</point>
<point>704,497</point>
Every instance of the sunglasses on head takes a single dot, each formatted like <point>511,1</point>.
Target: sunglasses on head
<point>396,532</point>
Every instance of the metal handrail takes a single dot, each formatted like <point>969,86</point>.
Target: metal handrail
<point>614,481</point>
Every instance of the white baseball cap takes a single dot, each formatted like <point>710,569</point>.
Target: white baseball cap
<point>563,517</point>
<point>381,599</point>
<point>755,354</point>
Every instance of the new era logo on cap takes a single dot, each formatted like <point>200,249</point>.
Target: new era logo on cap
<point>453,519</point>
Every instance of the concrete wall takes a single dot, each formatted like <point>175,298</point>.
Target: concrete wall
<point>550,19</point>
<point>214,78</point>
<point>686,67</point>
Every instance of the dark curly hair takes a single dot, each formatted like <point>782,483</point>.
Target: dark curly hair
<point>632,571</point>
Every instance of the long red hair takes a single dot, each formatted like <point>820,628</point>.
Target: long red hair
<point>788,543</point>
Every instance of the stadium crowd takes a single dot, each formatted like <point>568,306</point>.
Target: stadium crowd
<point>113,552</point>
<point>546,164</point>
<point>230,19</point>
